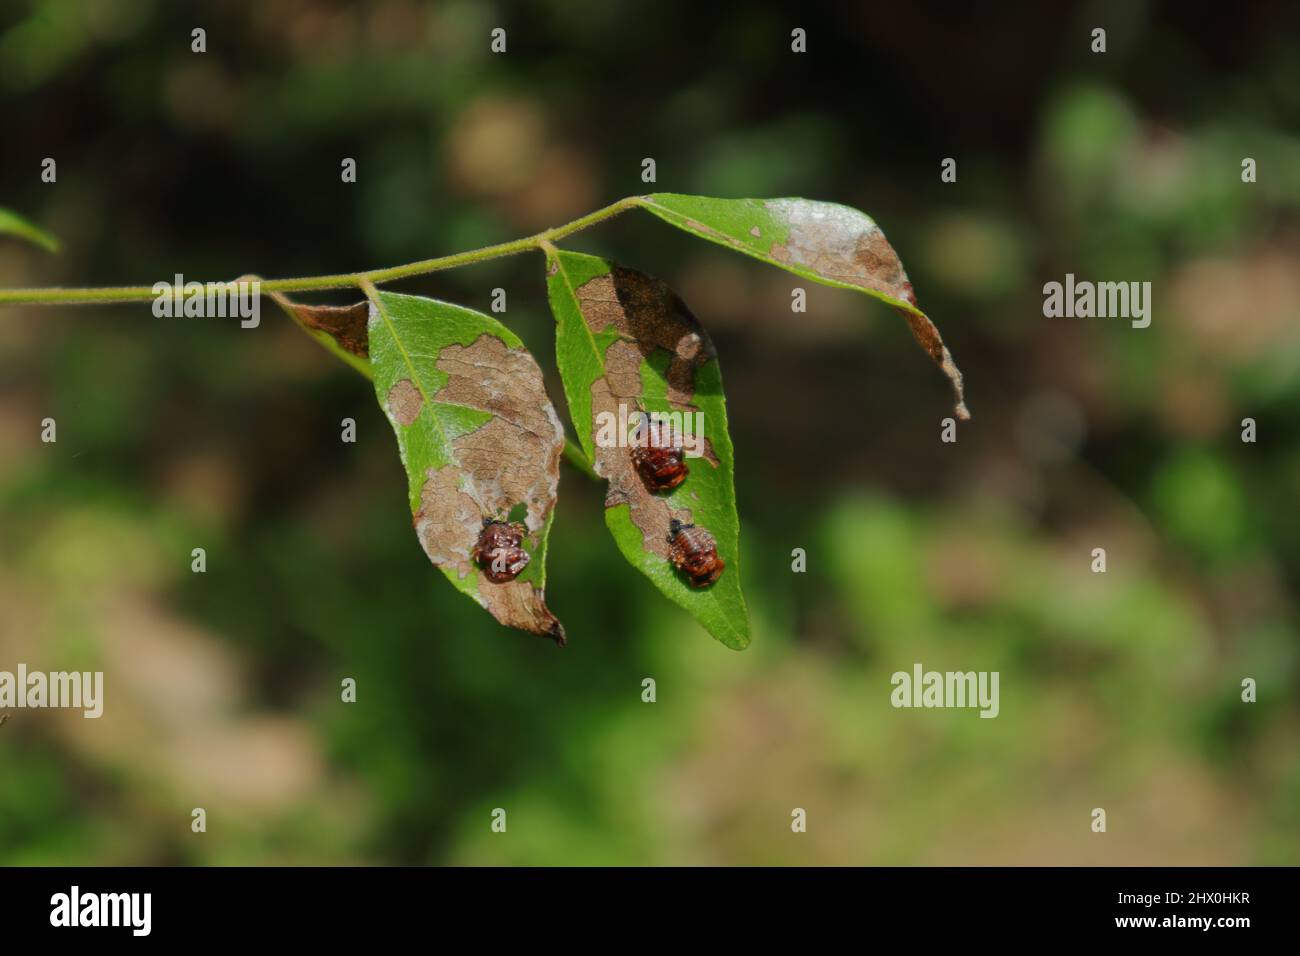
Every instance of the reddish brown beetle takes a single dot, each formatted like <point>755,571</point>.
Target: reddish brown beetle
<point>657,457</point>
<point>694,552</point>
<point>499,550</point>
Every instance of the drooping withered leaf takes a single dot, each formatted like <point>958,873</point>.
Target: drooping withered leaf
<point>822,241</point>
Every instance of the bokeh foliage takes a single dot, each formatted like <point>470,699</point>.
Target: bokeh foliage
<point>1118,690</point>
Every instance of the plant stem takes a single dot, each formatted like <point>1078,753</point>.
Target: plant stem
<point>576,457</point>
<point>344,280</point>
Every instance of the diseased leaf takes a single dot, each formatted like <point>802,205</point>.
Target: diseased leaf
<point>624,342</point>
<point>340,328</point>
<point>342,331</point>
<point>479,439</point>
<point>13,224</point>
<point>825,242</point>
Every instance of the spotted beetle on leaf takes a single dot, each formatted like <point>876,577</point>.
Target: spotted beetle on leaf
<point>477,433</point>
<point>499,552</point>
<point>657,455</point>
<point>694,552</point>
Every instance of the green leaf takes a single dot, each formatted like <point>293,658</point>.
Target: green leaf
<point>478,438</point>
<point>15,225</point>
<point>825,242</point>
<point>623,340</point>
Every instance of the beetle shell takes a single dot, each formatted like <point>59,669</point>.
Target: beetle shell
<point>662,469</point>
<point>658,459</point>
<point>694,552</point>
<point>499,552</point>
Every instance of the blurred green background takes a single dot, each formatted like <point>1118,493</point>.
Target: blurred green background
<point>1118,690</point>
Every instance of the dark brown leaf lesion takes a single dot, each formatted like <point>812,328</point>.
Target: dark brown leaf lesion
<point>345,324</point>
<point>927,336</point>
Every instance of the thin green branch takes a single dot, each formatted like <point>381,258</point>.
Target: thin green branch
<point>345,280</point>
<point>576,457</point>
<point>365,281</point>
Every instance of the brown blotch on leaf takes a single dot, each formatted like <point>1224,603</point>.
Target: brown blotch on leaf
<point>448,521</point>
<point>648,316</point>
<point>512,458</point>
<point>847,247</point>
<point>405,402</point>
